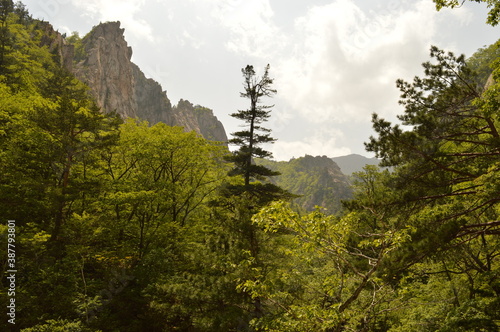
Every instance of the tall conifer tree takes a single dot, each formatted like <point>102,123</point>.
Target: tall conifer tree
<point>251,139</point>
<point>253,190</point>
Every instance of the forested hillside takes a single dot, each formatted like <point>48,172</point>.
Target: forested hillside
<point>318,182</point>
<point>117,225</point>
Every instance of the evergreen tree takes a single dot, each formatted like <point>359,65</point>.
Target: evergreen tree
<point>251,140</point>
<point>446,174</point>
<point>246,192</point>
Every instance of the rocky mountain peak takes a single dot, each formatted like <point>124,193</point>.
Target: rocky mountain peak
<point>318,162</point>
<point>113,36</point>
<point>104,65</point>
<point>102,60</point>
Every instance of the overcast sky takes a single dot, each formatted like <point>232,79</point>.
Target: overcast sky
<point>334,62</point>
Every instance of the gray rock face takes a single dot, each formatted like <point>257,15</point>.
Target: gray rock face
<point>117,84</point>
<point>200,119</point>
<point>107,69</point>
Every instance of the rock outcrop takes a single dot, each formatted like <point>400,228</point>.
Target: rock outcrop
<point>55,42</point>
<point>200,119</point>
<point>106,68</point>
<point>102,60</point>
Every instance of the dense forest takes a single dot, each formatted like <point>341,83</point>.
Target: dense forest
<point>112,224</point>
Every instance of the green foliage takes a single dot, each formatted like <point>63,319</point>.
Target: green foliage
<point>482,62</point>
<point>103,210</point>
<point>59,326</point>
<point>451,149</point>
<point>327,279</point>
<point>446,177</point>
<point>494,5</point>
<point>131,227</point>
<point>23,63</point>
<point>78,44</point>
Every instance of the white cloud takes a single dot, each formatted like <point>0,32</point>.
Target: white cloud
<point>250,26</point>
<point>322,143</point>
<point>463,14</point>
<point>344,65</point>
<point>192,40</point>
<point>124,11</point>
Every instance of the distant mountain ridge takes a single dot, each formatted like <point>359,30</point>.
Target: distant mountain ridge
<point>354,163</point>
<point>320,180</point>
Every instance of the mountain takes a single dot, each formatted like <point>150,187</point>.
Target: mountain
<point>102,60</point>
<point>354,163</point>
<point>318,180</point>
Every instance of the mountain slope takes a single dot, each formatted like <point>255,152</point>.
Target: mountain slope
<point>102,60</point>
<point>318,180</point>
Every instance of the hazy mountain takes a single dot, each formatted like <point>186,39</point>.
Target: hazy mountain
<point>354,163</point>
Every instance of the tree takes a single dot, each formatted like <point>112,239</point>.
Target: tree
<point>328,276</point>
<point>255,192</point>
<point>250,140</point>
<point>248,190</point>
<point>446,173</point>
<point>493,15</point>
<point>75,126</point>
<point>7,59</point>
<point>453,145</point>
<point>161,176</point>
<point>6,7</point>
<point>157,180</point>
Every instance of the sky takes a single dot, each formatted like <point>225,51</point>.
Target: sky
<point>334,62</point>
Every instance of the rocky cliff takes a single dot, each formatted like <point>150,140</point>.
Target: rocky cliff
<point>102,59</point>
<point>201,119</point>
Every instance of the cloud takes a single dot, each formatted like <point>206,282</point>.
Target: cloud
<point>250,26</point>
<point>125,11</point>
<point>192,40</point>
<point>322,143</point>
<point>336,65</point>
<point>347,60</point>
